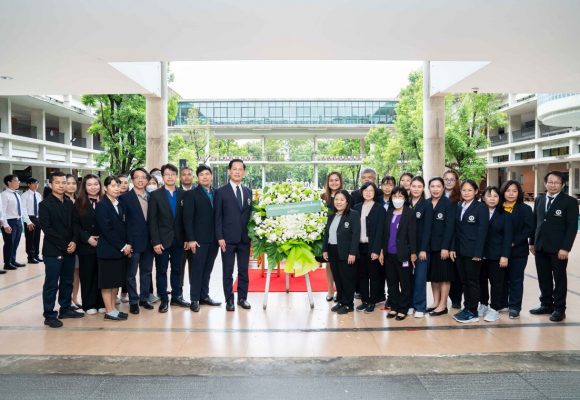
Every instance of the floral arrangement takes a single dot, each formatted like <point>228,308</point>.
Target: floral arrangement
<point>294,237</point>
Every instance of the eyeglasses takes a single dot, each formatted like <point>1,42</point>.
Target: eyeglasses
<point>170,174</point>
<point>553,183</point>
<point>450,180</point>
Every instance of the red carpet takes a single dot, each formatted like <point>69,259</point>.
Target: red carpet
<point>278,283</point>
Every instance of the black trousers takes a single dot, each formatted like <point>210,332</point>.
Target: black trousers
<point>513,291</point>
<point>186,259</point>
<point>369,276</point>
<point>171,255</point>
<point>89,280</point>
<point>241,252</point>
<point>344,277</point>
<point>143,262</point>
<point>552,279</point>
<point>496,276</point>
<point>399,283</point>
<point>32,238</point>
<point>469,272</point>
<point>200,267</point>
<point>456,288</point>
<point>58,280</point>
<point>11,240</point>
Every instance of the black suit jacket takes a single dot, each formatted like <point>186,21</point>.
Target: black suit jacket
<point>347,235</point>
<point>557,228</point>
<point>423,213</point>
<point>113,229</point>
<point>375,224</point>
<point>198,216</point>
<point>499,239</point>
<point>356,196</point>
<point>471,231</point>
<point>58,221</point>
<point>164,228</point>
<point>443,224</point>
<point>523,225</point>
<point>231,224</point>
<point>137,228</point>
<point>406,234</point>
<point>87,222</point>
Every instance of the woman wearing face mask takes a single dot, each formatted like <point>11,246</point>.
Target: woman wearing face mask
<point>340,247</point>
<point>333,184</point>
<point>387,185</point>
<point>423,214</point>
<point>471,223</point>
<point>405,181</point>
<point>368,268</point>
<point>151,184</point>
<point>496,253</point>
<point>442,225</point>
<point>522,228</point>
<point>399,253</point>
<point>112,247</point>
<point>90,194</point>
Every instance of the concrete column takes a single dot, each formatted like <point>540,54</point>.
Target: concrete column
<point>87,135</point>
<point>540,170</point>
<point>315,159</point>
<point>492,177</point>
<point>572,146</point>
<point>433,128</point>
<point>65,126</point>
<point>571,179</point>
<point>263,176</point>
<point>5,115</point>
<point>362,147</point>
<point>5,169</point>
<point>37,120</point>
<point>156,124</point>
<point>39,173</point>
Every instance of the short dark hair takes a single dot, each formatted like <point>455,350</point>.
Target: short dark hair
<point>110,179</point>
<point>505,186</point>
<point>495,189</point>
<point>31,180</point>
<point>410,175</point>
<point>154,170</point>
<point>170,167</point>
<point>122,176</point>
<point>201,168</point>
<point>235,160</point>
<point>400,190</point>
<point>555,173</point>
<point>365,186</point>
<point>389,178</point>
<point>55,174</point>
<point>139,169</point>
<point>70,176</point>
<point>438,179</point>
<point>471,183</point>
<point>185,169</point>
<point>9,178</point>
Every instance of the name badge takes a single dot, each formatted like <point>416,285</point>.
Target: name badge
<point>249,201</point>
<point>346,225</point>
<point>471,219</point>
<point>418,215</point>
<point>440,216</point>
<point>558,213</point>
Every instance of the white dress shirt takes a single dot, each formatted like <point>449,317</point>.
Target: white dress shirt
<point>28,201</point>
<point>464,208</point>
<point>10,207</point>
<point>234,186</point>
<point>548,199</point>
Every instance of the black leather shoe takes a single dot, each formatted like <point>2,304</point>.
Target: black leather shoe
<point>52,323</point>
<point>2,271</point>
<point>163,307</point>
<point>244,304</point>
<point>336,307</point>
<point>32,261</point>
<point>438,313</point>
<point>542,310</point>
<point>208,301</point>
<point>194,306</point>
<point>38,259</point>
<point>134,309</point>
<point>179,302</point>
<point>230,305</point>
<point>342,310</point>
<point>19,265</point>
<point>10,267</point>
<point>112,318</point>
<point>146,305</point>
<point>370,308</point>
<point>558,316</point>
<point>70,314</point>
<point>123,315</point>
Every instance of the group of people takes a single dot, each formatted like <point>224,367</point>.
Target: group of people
<point>464,244</point>
<point>104,237</point>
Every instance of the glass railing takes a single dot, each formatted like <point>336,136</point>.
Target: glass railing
<point>546,130</point>
<point>498,139</point>
<point>306,157</point>
<point>547,97</point>
<point>79,142</point>
<point>24,130</point>
<point>97,145</point>
<point>524,134</point>
<point>55,137</point>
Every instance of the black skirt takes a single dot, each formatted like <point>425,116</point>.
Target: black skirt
<point>440,270</point>
<point>112,272</point>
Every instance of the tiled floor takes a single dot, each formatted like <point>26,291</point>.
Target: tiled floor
<point>288,328</point>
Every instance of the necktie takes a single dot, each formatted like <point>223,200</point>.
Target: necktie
<point>18,205</point>
<point>93,203</point>
<point>35,205</point>
<point>239,197</point>
<point>210,196</point>
<point>550,199</point>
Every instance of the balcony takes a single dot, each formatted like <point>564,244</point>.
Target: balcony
<point>524,134</point>
<point>54,136</point>
<point>559,109</point>
<point>79,142</point>
<point>498,139</point>
<point>24,130</point>
<point>97,145</point>
<point>546,131</point>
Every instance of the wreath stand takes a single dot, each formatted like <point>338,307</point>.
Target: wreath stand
<point>267,289</point>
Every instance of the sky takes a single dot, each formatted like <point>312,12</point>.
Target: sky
<point>291,79</point>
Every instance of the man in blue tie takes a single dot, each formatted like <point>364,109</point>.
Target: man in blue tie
<point>13,213</point>
<point>233,208</point>
<point>31,198</point>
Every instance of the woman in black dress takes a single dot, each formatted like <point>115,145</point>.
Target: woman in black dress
<point>112,248</point>
<point>334,183</point>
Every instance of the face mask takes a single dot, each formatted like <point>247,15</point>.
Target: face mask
<point>398,203</point>
<point>151,188</point>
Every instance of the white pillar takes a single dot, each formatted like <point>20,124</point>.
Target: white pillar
<point>156,124</point>
<point>37,120</point>
<point>263,176</point>
<point>433,129</point>
<point>540,170</point>
<point>5,115</point>
<point>492,177</point>
<point>65,126</point>
<point>315,159</point>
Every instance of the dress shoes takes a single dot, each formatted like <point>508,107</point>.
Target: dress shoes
<point>123,315</point>
<point>542,310</point>
<point>32,261</point>
<point>438,313</point>
<point>113,318</point>
<point>134,309</point>
<point>244,304</point>
<point>336,307</point>
<point>70,314</point>
<point>39,259</point>
<point>53,323</point>
<point>10,267</point>
<point>146,305</point>
<point>208,301</point>
<point>342,310</point>
<point>194,306</point>
<point>163,307</point>
<point>558,316</point>
<point>19,265</point>
<point>230,305</point>
<point>179,302</point>
<point>2,271</point>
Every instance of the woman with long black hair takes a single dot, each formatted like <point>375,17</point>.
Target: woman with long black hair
<point>334,183</point>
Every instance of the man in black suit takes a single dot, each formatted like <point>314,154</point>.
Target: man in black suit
<point>164,216</point>
<point>366,175</point>
<point>136,204</point>
<point>61,233</point>
<point>556,216</point>
<point>233,207</point>
<point>185,184</point>
<point>198,221</point>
